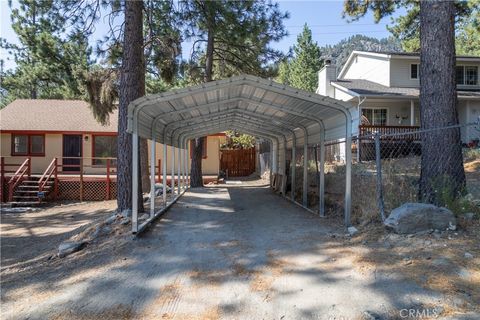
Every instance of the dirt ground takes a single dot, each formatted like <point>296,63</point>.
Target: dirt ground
<point>30,235</point>
<point>235,252</point>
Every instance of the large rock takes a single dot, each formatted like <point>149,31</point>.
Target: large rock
<point>417,217</point>
<point>67,248</point>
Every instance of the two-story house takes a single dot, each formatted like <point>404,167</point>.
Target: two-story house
<point>384,88</point>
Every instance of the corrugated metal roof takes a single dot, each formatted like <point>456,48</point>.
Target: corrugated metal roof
<point>53,115</point>
<point>245,103</point>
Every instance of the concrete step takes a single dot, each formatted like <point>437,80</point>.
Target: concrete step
<point>23,204</point>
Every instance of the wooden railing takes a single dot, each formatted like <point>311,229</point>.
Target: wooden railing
<point>101,167</point>
<point>52,170</point>
<point>7,169</point>
<point>397,132</point>
<point>18,176</point>
<point>98,168</point>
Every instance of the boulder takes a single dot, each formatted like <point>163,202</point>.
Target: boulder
<point>417,217</point>
<point>66,248</point>
<point>352,231</point>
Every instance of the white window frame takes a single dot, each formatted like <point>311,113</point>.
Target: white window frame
<point>387,123</point>
<point>465,75</point>
<point>418,71</point>
<point>464,67</point>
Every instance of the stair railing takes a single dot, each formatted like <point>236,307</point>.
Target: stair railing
<point>52,170</point>
<point>18,176</point>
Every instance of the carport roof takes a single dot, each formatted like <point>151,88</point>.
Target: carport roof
<point>249,104</point>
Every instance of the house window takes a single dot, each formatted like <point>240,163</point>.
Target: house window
<point>28,145</point>
<point>414,71</point>
<point>375,117</point>
<point>204,150</point>
<point>460,74</point>
<point>104,147</point>
<point>467,75</point>
<point>471,76</point>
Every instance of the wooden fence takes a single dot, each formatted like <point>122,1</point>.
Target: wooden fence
<point>237,163</point>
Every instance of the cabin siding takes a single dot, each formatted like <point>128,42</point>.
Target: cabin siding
<point>376,69</point>
<point>400,73</point>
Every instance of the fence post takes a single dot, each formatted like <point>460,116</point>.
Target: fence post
<point>378,160</point>
<point>55,180</point>
<point>29,172</point>
<point>81,179</point>
<point>159,170</point>
<point>108,180</point>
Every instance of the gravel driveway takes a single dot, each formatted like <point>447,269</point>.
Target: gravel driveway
<point>230,252</point>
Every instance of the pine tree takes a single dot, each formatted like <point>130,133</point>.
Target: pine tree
<point>48,60</point>
<point>438,96</point>
<point>304,67</point>
<point>229,37</point>
<point>406,27</point>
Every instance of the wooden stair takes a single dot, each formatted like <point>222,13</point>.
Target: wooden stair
<point>26,194</point>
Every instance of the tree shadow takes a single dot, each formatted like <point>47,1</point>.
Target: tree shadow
<point>234,252</point>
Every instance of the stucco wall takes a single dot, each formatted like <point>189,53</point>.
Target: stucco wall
<point>210,165</point>
<point>54,148</point>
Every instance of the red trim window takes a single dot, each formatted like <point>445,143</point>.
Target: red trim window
<point>204,150</point>
<point>104,146</point>
<point>28,145</point>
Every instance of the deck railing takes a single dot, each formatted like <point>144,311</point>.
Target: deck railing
<point>370,130</point>
<point>80,169</point>
<point>51,171</point>
<point>22,172</point>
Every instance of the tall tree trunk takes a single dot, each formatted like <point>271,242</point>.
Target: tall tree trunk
<point>144,169</point>
<point>196,171</point>
<point>196,166</point>
<point>442,163</point>
<point>132,86</point>
<point>209,56</point>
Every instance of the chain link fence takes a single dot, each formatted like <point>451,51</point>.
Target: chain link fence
<point>386,171</point>
<point>391,165</point>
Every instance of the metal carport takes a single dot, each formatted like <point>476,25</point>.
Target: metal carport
<point>284,115</point>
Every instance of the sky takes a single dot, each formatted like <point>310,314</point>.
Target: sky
<point>323,17</point>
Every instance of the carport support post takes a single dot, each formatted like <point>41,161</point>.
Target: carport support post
<point>348,172</point>
<point>152,178</point>
<point>187,178</point>
<point>305,174</point>
<point>294,167</point>
<point>321,191</point>
<point>172,178</point>
<point>180,156</point>
<point>164,171</point>
<point>134,182</point>
<point>179,170</point>
<point>284,179</point>
<point>271,163</point>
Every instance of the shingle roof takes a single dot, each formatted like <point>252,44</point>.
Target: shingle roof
<point>411,54</point>
<point>368,88</point>
<point>53,115</point>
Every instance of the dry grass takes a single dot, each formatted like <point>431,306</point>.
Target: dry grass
<point>437,262</point>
